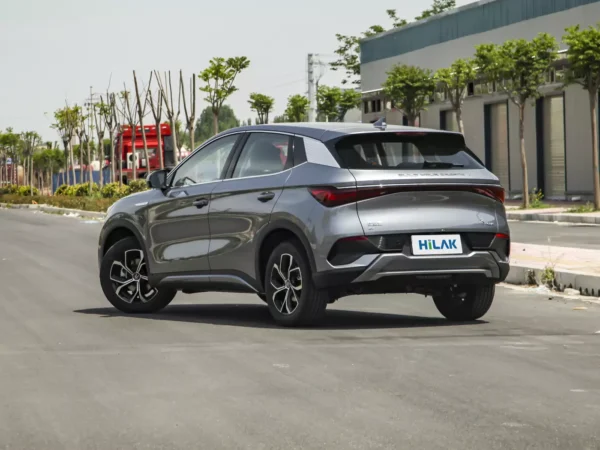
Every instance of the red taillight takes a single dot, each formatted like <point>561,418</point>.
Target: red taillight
<point>502,236</point>
<point>331,196</point>
<point>495,192</point>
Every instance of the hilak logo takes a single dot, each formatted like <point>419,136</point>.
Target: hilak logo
<point>428,244</point>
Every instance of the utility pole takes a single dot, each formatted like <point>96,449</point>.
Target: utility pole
<point>312,91</point>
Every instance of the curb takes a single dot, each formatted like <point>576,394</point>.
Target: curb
<point>565,218</point>
<point>55,210</point>
<point>586,284</point>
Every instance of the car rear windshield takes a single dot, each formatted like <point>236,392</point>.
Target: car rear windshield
<point>406,151</point>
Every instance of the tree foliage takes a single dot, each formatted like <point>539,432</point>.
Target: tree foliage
<point>219,80</point>
<point>350,99</point>
<point>438,7</point>
<point>204,126</point>
<point>518,67</point>
<point>263,105</point>
<point>348,51</point>
<point>328,100</point>
<point>297,108</point>
<point>454,81</point>
<point>584,69</point>
<point>410,88</point>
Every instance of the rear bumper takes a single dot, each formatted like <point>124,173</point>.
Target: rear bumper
<point>391,269</point>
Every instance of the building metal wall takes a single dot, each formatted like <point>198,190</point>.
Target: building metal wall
<point>577,123</point>
<point>434,57</point>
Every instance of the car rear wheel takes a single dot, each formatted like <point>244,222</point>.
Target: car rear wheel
<point>472,306</point>
<point>291,295</point>
<point>124,280</point>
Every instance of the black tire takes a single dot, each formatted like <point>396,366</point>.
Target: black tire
<point>263,297</point>
<point>111,269</point>
<point>311,302</point>
<point>473,307</point>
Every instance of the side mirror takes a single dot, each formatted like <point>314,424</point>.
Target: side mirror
<point>157,179</point>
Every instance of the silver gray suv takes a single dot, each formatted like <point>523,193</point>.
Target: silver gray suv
<point>305,214</point>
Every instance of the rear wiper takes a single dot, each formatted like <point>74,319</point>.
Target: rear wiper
<point>440,165</point>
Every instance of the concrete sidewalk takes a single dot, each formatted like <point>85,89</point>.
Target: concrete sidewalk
<point>574,268</point>
<point>558,214</point>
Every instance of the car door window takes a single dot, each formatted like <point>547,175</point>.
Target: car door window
<point>264,154</point>
<point>205,165</point>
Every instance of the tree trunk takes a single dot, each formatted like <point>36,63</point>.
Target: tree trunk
<point>72,158</point>
<point>159,148</point>
<point>31,174</point>
<point>174,136</point>
<point>523,155</point>
<point>215,123</point>
<point>192,144</point>
<point>121,159</point>
<point>81,180</point>
<point>67,161</point>
<point>134,154</point>
<point>90,169</point>
<point>594,112</point>
<point>146,157</point>
<point>411,121</point>
<point>112,156</point>
<point>459,120</point>
<point>101,159</point>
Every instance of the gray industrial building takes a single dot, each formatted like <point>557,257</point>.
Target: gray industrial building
<point>558,126</point>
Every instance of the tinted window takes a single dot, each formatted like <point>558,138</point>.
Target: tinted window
<point>406,151</point>
<point>206,164</point>
<point>263,154</point>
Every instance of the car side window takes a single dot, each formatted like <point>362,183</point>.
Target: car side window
<point>205,165</point>
<point>264,154</point>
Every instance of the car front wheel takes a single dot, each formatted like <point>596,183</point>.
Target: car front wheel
<point>472,306</point>
<point>291,295</point>
<point>124,280</point>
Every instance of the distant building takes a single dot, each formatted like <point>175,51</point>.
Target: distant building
<point>557,135</point>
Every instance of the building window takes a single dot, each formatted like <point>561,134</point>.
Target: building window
<point>366,107</point>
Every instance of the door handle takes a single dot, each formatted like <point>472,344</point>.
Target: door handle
<point>200,203</point>
<point>266,196</point>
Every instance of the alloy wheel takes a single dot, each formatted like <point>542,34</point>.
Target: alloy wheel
<point>130,278</point>
<point>286,279</point>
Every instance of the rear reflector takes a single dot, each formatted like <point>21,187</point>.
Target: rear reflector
<point>330,196</point>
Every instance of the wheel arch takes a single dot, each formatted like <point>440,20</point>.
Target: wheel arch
<point>270,236</point>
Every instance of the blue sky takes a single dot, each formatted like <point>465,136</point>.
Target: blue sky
<point>54,50</point>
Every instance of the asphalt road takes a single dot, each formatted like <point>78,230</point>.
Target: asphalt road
<point>211,372</point>
<point>559,235</point>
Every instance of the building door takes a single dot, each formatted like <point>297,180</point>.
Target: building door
<point>554,147</point>
<point>499,143</point>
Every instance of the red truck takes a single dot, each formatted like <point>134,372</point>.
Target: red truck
<point>144,167</point>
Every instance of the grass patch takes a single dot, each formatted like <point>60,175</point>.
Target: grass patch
<point>96,204</point>
<point>582,209</point>
<point>536,200</point>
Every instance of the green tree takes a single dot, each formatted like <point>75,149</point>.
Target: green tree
<point>31,140</point>
<point>438,7</point>
<point>297,108</point>
<point>65,122</point>
<point>204,126</point>
<point>455,80</point>
<point>280,119</point>
<point>350,99</point>
<point>348,50</point>
<point>262,105</point>
<point>328,102</point>
<point>219,78</point>
<point>410,88</point>
<point>584,69</point>
<point>518,67</point>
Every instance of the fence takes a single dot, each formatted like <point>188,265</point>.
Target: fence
<point>59,179</point>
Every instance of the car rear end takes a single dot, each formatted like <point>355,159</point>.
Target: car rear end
<point>432,215</point>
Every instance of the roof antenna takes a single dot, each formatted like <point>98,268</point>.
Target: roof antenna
<point>381,124</point>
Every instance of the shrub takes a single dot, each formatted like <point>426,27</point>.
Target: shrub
<point>83,189</point>
<point>136,186</point>
<point>62,189</point>
<point>62,201</point>
<point>26,191</point>
<point>113,190</point>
